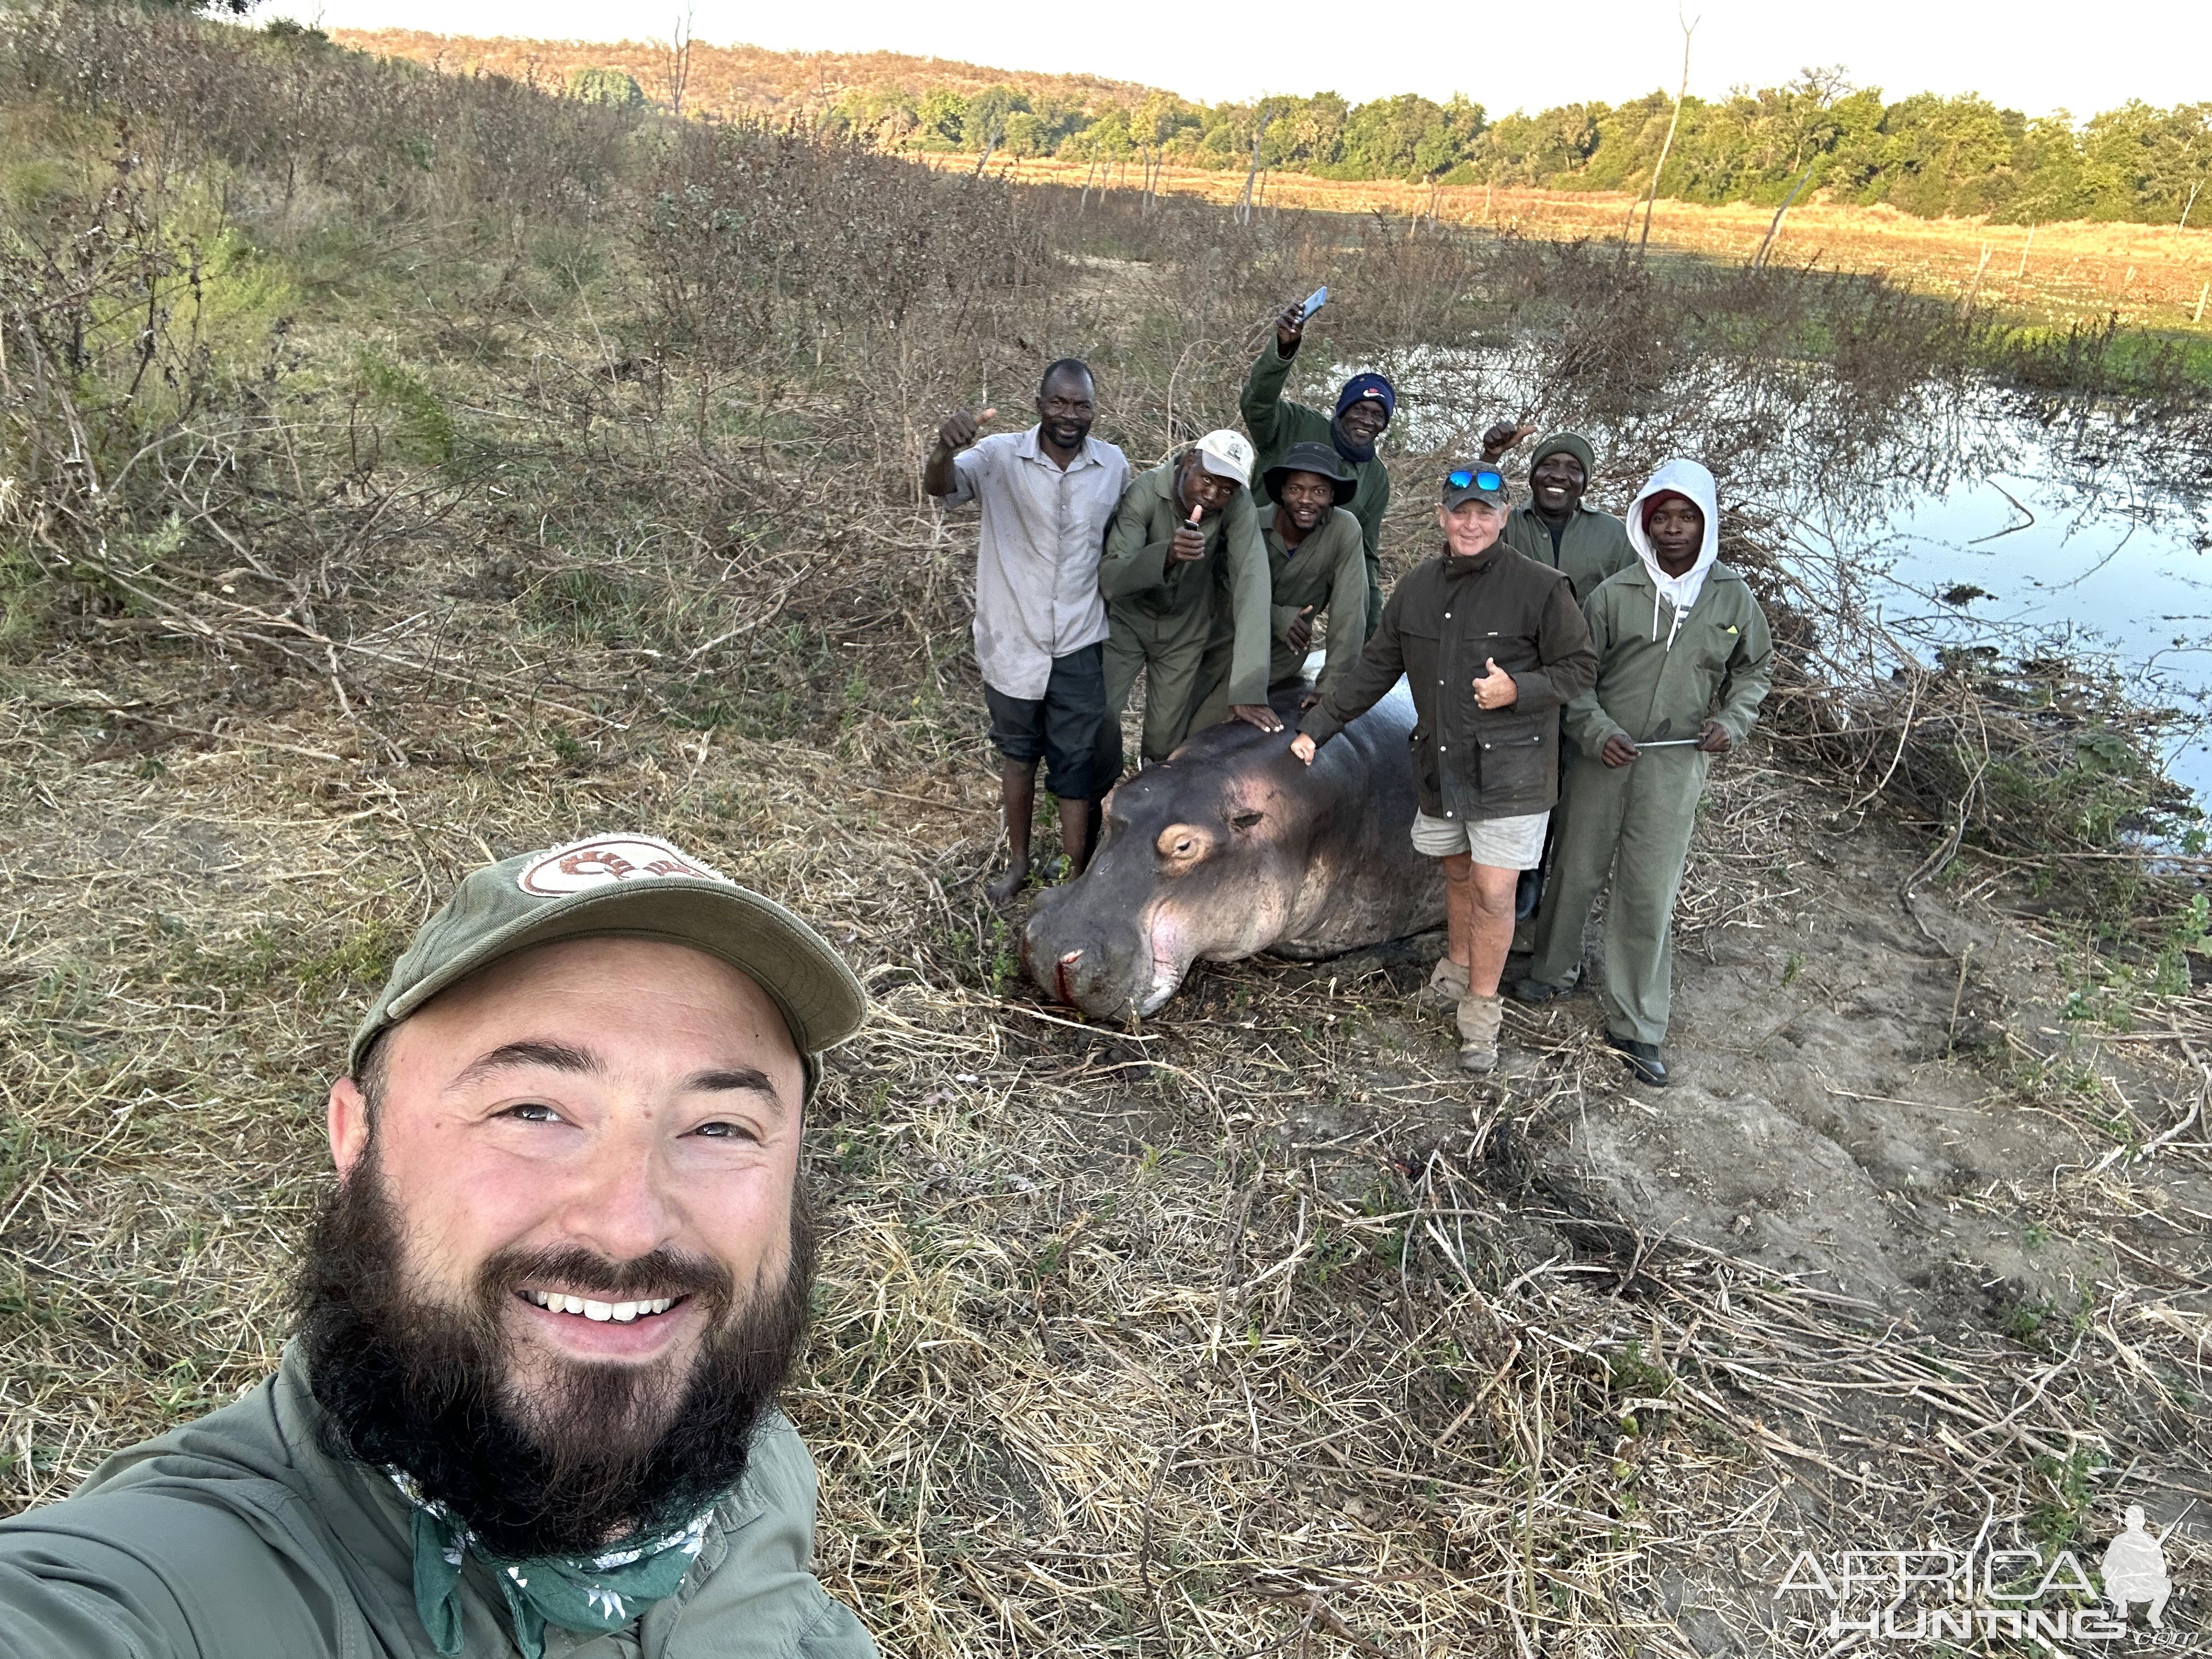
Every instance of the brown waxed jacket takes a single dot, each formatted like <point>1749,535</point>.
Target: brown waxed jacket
<point>1444,623</point>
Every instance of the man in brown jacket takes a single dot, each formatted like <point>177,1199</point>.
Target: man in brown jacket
<point>1492,644</point>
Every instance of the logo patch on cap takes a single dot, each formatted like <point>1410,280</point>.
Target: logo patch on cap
<point>582,865</point>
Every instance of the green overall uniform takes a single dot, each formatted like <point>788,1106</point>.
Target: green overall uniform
<point>1276,423</point>
<point>1592,545</point>
<point>1327,571</point>
<point>1160,616</point>
<point>241,1537</point>
<point>1632,822</point>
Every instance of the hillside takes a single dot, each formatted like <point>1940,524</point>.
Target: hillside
<point>1818,136</point>
<point>739,80</point>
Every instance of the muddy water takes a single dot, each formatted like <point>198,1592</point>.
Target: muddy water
<point>2069,540</point>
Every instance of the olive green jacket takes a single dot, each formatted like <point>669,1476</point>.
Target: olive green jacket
<point>238,1537</point>
<point>1177,606</point>
<point>1327,571</point>
<point>1592,546</point>
<point>1276,423</point>
<point>1718,668</point>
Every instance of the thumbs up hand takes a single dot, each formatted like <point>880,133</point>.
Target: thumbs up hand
<point>1299,634</point>
<point>961,428</point>
<point>1494,688</point>
<point>1189,541</point>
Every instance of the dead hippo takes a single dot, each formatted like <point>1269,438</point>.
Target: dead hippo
<point>1229,848</point>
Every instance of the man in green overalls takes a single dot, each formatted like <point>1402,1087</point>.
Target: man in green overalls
<point>1553,528</point>
<point>1183,552</point>
<point>1364,406</point>
<point>1684,660</point>
<point>1316,563</point>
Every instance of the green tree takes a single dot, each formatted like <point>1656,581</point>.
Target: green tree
<point>606,86</point>
<point>940,119</point>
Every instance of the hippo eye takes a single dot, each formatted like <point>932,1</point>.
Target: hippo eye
<point>1181,842</point>
<point>1245,820</point>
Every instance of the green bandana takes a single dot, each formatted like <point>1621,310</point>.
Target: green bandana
<point>594,1594</point>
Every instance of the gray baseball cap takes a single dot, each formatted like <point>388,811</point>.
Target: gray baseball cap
<point>625,886</point>
<point>1475,483</point>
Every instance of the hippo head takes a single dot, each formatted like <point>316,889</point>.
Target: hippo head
<point>1199,856</point>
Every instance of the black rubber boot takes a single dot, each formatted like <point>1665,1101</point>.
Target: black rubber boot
<point>1536,990</point>
<point>1643,1059</point>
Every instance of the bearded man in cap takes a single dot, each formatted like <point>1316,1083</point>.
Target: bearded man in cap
<point>1365,404</point>
<point>530,1406</point>
<point>1183,556</point>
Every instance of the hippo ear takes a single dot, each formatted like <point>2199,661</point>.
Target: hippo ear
<point>1245,820</point>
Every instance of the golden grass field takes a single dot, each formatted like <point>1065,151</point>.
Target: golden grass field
<point>2152,275</point>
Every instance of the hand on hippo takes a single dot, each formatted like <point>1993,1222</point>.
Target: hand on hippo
<point>1189,541</point>
<point>1256,713</point>
<point>1304,746</point>
<point>1495,689</point>
<point>1299,634</point>
<point>1714,738</point>
<point>962,427</point>
<point>1618,751</point>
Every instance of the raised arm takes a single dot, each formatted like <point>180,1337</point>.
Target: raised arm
<point>940,475</point>
<point>1261,400</point>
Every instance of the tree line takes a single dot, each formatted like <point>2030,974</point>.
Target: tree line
<point>1926,154</point>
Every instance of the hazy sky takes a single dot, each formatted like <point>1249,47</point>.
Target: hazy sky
<point>2031,54</point>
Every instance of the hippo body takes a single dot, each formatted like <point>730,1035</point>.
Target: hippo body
<point>1230,848</point>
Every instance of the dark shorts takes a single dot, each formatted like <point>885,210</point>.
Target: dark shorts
<point>1060,728</point>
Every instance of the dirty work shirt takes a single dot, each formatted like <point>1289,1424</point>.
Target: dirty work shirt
<point>1591,545</point>
<point>1633,822</point>
<point>237,1537</point>
<point>1037,561</point>
<point>1327,571</point>
<point>1445,622</point>
<point>1161,615</point>
<point>1276,423</point>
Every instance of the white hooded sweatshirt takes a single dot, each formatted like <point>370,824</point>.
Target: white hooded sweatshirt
<point>1683,478</point>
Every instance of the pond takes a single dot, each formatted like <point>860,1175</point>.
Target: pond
<point>2067,540</point>
<point>1955,515</point>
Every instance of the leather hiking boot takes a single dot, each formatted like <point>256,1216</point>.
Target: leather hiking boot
<point>1643,1059</point>
<point>1446,985</point>
<point>1536,990</point>
<point>1479,1020</point>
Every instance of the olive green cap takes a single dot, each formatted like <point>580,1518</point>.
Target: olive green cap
<point>625,886</point>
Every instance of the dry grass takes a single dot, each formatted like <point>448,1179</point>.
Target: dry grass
<point>2150,275</point>
<point>1259,1330</point>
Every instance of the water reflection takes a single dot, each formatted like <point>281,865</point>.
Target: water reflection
<point>1956,514</point>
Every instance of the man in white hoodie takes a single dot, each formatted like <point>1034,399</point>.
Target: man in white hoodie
<point>1684,660</point>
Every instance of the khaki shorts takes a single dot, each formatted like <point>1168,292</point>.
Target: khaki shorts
<point>1515,844</point>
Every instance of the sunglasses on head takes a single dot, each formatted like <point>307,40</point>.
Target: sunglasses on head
<point>1482,479</point>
